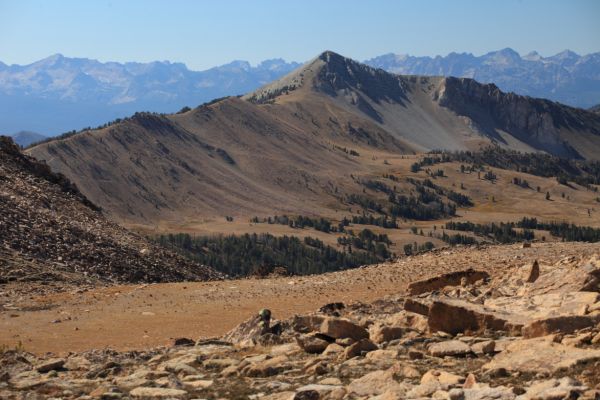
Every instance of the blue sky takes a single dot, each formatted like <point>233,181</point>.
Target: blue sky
<point>203,34</point>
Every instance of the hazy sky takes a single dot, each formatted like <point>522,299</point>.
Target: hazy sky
<point>203,34</point>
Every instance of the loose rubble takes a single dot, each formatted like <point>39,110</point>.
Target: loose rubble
<point>509,337</point>
<point>50,233</point>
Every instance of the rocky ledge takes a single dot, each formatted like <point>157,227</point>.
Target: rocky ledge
<point>531,332</point>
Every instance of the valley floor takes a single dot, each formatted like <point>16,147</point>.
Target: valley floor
<point>143,316</point>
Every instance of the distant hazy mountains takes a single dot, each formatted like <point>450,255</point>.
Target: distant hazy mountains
<point>565,77</point>
<point>58,94</point>
<point>25,138</point>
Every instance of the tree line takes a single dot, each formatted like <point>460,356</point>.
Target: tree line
<point>244,255</point>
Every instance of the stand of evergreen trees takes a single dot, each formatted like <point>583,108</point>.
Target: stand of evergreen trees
<point>585,173</point>
<point>563,230</point>
<point>382,221</point>
<point>500,233</point>
<point>504,232</point>
<point>300,221</point>
<point>239,256</point>
<point>426,204</point>
<point>410,249</point>
<point>367,240</point>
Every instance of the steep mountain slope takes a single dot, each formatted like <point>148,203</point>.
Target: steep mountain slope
<point>71,93</point>
<point>297,144</point>
<point>50,232</point>
<point>565,77</point>
<point>424,110</point>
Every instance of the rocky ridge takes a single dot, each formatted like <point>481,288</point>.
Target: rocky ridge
<point>527,332</point>
<point>50,232</point>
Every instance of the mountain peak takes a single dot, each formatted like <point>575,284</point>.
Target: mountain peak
<point>329,56</point>
<point>532,56</point>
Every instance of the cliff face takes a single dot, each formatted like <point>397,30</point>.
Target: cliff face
<point>538,122</point>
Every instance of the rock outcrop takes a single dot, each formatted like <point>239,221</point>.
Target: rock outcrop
<point>472,341</point>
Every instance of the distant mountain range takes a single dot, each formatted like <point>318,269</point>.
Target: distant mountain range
<point>565,77</point>
<point>25,138</point>
<point>296,145</point>
<point>58,94</point>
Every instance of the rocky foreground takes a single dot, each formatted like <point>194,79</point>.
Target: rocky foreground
<point>529,332</point>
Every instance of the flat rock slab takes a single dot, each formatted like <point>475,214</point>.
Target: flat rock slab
<point>157,393</point>
<point>540,355</point>
<point>568,278</point>
<point>508,314</point>
<point>340,328</point>
<point>468,276</point>
<point>52,364</point>
<point>459,316</point>
<point>452,348</point>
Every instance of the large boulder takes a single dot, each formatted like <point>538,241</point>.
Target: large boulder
<point>568,277</point>
<point>540,355</point>
<point>457,278</point>
<point>313,343</point>
<point>452,348</point>
<point>381,333</point>
<point>340,328</point>
<point>253,329</point>
<point>376,383</point>
<point>561,324</point>
<point>459,316</point>
<point>512,313</point>
<point>358,348</point>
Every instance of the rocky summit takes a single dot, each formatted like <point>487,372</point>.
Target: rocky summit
<point>529,331</point>
<point>51,233</point>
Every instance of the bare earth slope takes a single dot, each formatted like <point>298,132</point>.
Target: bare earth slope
<point>291,146</point>
<point>49,232</point>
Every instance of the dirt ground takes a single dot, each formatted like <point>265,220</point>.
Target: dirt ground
<point>142,316</point>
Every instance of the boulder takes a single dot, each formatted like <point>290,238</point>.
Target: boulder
<point>266,368</point>
<point>452,348</point>
<point>580,277</point>
<point>340,328</point>
<point>252,330</point>
<point>564,388</point>
<point>307,323</point>
<point>358,348</point>
<point>76,363</point>
<point>157,393</point>
<point>560,324</point>
<point>540,355</point>
<point>459,316</point>
<point>381,333</point>
<point>485,392</point>
<point>443,377</point>
<point>320,389</point>
<point>183,342</point>
<point>333,348</point>
<point>468,276</point>
<point>50,365</point>
<point>313,343</point>
<point>376,383</point>
<point>485,347</point>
